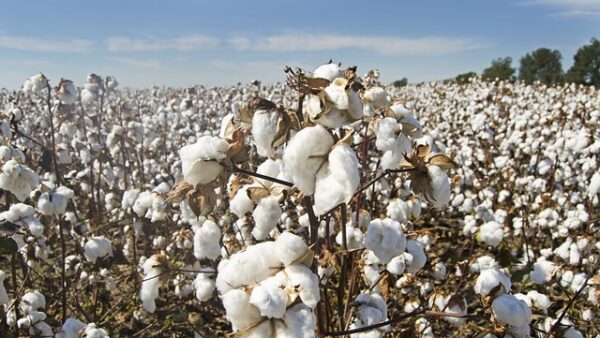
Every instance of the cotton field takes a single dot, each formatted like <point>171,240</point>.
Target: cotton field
<point>329,204</point>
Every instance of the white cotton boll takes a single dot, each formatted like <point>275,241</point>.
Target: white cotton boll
<point>66,92</point>
<point>509,310</point>
<point>386,130</point>
<point>264,129</point>
<point>539,300</point>
<point>543,271</point>
<point>71,328</point>
<point>204,285</point>
<point>337,180</point>
<point>439,271</point>
<point>594,187</point>
<point>92,332</point>
<point>35,84</point>
<point>32,301</point>
<point>354,238</point>
<point>266,215</point>
<point>196,159</point>
<point>290,248</point>
<point>329,71</point>
<point>489,279</point>
<point>97,247</point>
<point>19,179</point>
<point>3,294</point>
<point>398,209</point>
<point>129,198</point>
<point>238,309</point>
<point>385,238</point>
<point>241,204</point>
<point>143,203</point>
<point>572,333</point>
<point>491,233</point>
<point>440,186</point>
<point>578,281</point>
<point>270,300</point>
<point>270,168</point>
<point>247,267</point>
<point>562,250</point>
<point>396,265</point>
<point>372,309</point>
<point>32,318</point>
<point>419,259</point>
<point>304,155</point>
<point>153,269</point>
<point>299,322</point>
<point>305,282</point>
<point>574,255</point>
<point>206,241</point>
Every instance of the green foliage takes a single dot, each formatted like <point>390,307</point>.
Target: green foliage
<point>500,69</point>
<point>586,65</point>
<point>541,65</point>
<point>400,83</point>
<point>464,77</point>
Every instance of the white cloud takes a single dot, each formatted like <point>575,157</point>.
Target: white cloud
<point>183,44</point>
<point>138,63</point>
<point>292,42</point>
<point>570,8</point>
<point>32,44</point>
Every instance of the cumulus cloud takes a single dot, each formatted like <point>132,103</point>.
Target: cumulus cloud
<point>34,44</point>
<point>296,41</point>
<point>152,44</point>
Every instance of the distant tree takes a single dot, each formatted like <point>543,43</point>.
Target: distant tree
<point>400,83</point>
<point>464,77</point>
<point>586,65</point>
<point>500,69</point>
<point>541,65</point>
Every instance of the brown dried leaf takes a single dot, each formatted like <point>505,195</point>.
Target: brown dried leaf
<point>179,191</point>
<point>315,84</point>
<point>383,285</point>
<point>257,193</point>
<point>422,151</point>
<point>282,132</point>
<point>202,201</point>
<point>279,192</point>
<point>442,161</point>
<point>347,139</point>
<point>237,142</point>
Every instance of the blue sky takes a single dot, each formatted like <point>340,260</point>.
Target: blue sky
<point>177,42</point>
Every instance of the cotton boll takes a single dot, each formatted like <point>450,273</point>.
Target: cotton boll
<point>509,310</point>
<point>439,185</point>
<point>385,238</point>
<point>238,309</point>
<point>543,271</point>
<point>290,248</point>
<point>204,285</point>
<point>489,279</point>
<point>386,130</point>
<point>304,155</point>
<point>572,333</point>
<point>153,269</point>
<point>97,247</point>
<point>206,241</point>
<point>354,238</point>
<point>91,331</point>
<point>491,233</point>
<point>539,300</point>
<point>299,322</point>
<point>71,328</point>
<point>328,71</point>
<point>419,259</point>
<point>241,204</point>
<point>270,300</point>
<point>18,179</point>
<point>32,301</point>
<point>266,215</point>
<point>264,130</point>
<point>372,309</point>
<point>594,186</point>
<point>197,160</point>
<point>337,180</point>
<point>396,265</point>
<point>305,283</point>
<point>439,271</point>
<point>397,209</point>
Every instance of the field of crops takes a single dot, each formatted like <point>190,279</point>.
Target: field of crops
<point>329,204</point>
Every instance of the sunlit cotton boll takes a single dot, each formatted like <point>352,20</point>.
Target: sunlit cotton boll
<point>32,301</point>
<point>97,247</point>
<point>385,238</point>
<point>509,310</point>
<point>153,269</point>
<point>418,257</point>
<point>18,179</point>
<point>266,215</point>
<point>489,279</point>
<point>290,248</point>
<point>543,271</point>
<point>198,159</point>
<point>55,203</point>
<point>35,84</point>
<point>206,240</point>
<point>71,328</point>
<point>204,285</point>
<point>440,186</point>
<point>66,91</point>
<point>329,71</point>
<point>491,233</point>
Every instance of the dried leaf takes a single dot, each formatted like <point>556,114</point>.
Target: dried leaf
<point>384,287</point>
<point>442,161</point>
<point>347,139</point>
<point>202,201</point>
<point>282,132</point>
<point>257,193</point>
<point>279,192</point>
<point>314,85</point>
<point>422,150</point>
<point>179,191</point>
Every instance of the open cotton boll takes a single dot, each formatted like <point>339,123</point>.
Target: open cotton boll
<point>97,247</point>
<point>290,248</point>
<point>198,160</point>
<point>270,300</point>
<point>376,98</point>
<point>491,233</point>
<point>3,295</point>
<point>489,279</point>
<point>543,271</point>
<point>440,186</point>
<point>398,210</point>
<point>241,204</point>
<point>337,180</point>
<point>204,285</point>
<point>55,203</point>
<point>248,267</point>
<point>238,309</point>
<point>396,265</point>
<point>71,328</point>
<point>594,187</point>
<point>271,168</point>
<point>305,283</point>
<point>539,300</point>
<point>18,179</point>
<point>354,238</point>
<point>372,309</point>
<point>32,301</point>
<point>329,71</point>
<point>266,215</point>
<point>206,241</point>
<point>385,238</point>
<point>299,322</point>
<point>512,311</point>
<point>304,155</point>
<point>91,331</point>
<point>153,268</point>
<point>419,259</point>
<point>264,130</point>
<point>32,318</point>
<point>386,131</point>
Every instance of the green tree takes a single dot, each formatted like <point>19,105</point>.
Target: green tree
<point>464,77</point>
<point>400,83</point>
<point>500,69</point>
<point>586,65</point>
<point>541,65</point>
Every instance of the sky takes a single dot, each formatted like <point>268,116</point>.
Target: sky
<point>183,42</point>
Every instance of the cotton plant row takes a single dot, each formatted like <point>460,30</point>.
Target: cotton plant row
<point>330,203</point>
